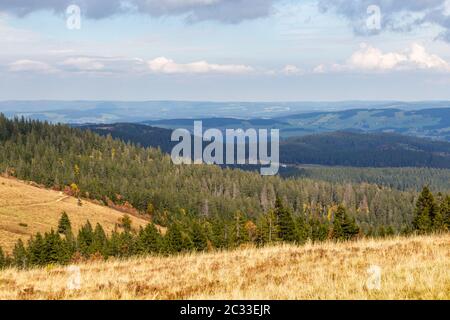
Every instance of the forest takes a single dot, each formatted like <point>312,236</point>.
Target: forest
<point>112,172</point>
<point>184,235</point>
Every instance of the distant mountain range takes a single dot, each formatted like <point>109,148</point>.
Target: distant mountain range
<point>420,119</point>
<point>429,123</point>
<point>335,149</point>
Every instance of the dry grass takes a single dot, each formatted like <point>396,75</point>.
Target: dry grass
<point>26,210</point>
<point>412,268</point>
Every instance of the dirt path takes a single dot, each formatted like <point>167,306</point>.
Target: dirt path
<point>37,203</point>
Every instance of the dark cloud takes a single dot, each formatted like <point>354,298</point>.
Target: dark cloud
<point>397,15</point>
<point>227,11</point>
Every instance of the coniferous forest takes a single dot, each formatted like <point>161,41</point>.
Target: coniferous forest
<point>203,207</point>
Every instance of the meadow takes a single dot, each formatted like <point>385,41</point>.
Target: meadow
<point>416,267</point>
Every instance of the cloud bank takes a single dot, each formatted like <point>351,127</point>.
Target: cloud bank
<point>397,15</point>
<point>226,11</point>
<point>371,59</point>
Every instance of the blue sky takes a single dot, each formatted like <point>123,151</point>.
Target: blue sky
<point>233,50</point>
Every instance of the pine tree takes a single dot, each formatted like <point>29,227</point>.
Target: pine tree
<point>2,259</point>
<point>344,226</point>
<point>85,239</point>
<point>443,215</point>
<point>302,229</point>
<point>287,230</point>
<point>125,223</point>
<point>36,250</point>
<point>54,250</point>
<point>338,230</point>
<point>239,234</point>
<point>219,236</point>
<point>149,239</point>
<point>174,239</point>
<point>199,240</point>
<point>100,241</point>
<point>20,255</point>
<point>268,228</point>
<point>425,212</point>
<point>64,225</point>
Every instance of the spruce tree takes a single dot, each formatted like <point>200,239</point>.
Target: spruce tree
<point>344,226</point>
<point>20,255</point>
<point>239,234</point>
<point>444,212</point>
<point>64,225</point>
<point>338,230</point>
<point>303,229</point>
<point>2,259</point>
<point>125,223</point>
<point>287,230</point>
<point>85,239</point>
<point>36,250</point>
<point>174,239</point>
<point>100,241</point>
<point>149,239</point>
<point>199,240</point>
<point>425,212</point>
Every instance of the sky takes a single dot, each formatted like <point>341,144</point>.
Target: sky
<point>225,50</point>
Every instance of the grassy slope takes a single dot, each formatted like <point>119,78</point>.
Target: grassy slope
<point>412,268</point>
<point>40,210</point>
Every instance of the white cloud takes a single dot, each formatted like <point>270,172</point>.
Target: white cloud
<point>169,66</point>
<point>291,70</point>
<point>31,66</point>
<point>371,59</point>
<point>83,64</point>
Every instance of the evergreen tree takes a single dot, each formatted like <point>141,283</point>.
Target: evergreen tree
<point>445,212</point>
<point>319,229</point>
<point>54,250</point>
<point>287,230</point>
<point>174,239</point>
<point>220,234</point>
<point>64,225</point>
<point>20,255</point>
<point>36,250</point>
<point>425,212</point>
<point>239,234</point>
<point>3,261</point>
<point>149,239</point>
<point>303,229</point>
<point>199,240</point>
<point>100,241</point>
<point>85,239</point>
<point>344,227</point>
<point>268,230</point>
<point>125,223</point>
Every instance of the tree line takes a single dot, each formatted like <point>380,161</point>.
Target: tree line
<point>183,235</point>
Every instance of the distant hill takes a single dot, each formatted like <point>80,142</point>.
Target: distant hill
<point>365,150</point>
<point>423,119</point>
<point>143,135</point>
<point>427,123</point>
<point>340,148</point>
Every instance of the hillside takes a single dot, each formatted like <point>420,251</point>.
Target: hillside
<point>340,148</point>
<point>105,169</point>
<point>26,210</point>
<point>411,268</point>
<point>365,150</point>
